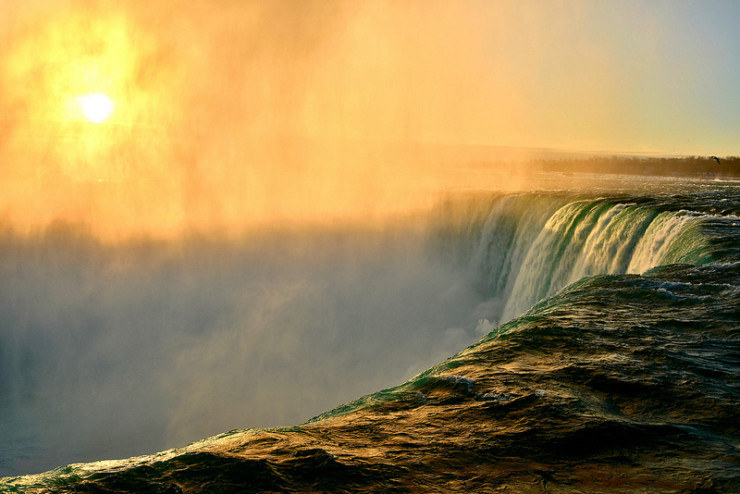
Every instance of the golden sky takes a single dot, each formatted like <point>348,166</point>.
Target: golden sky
<point>235,111</point>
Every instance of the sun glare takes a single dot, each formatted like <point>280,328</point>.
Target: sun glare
<point>96,107</point>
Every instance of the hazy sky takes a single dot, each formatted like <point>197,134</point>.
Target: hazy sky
<point>659,76</point>
<point>233,111</point>
<point>629,75</point>
<point>652,76</point>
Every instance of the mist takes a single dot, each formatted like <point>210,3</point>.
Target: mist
<point>110,352</point>
<point>232,115</point>
<point>244,242</point>
<point>248,239</point>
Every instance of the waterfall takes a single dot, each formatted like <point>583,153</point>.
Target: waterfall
<point>527,247</point>
<point>135,343</point>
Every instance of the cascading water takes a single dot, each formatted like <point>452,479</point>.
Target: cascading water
<point>619,382</point>
<point>141,340</point>
<point>530,246</point>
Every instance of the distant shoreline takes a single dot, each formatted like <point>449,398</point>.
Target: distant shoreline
<point>693,166</point>
<point>689,166</point>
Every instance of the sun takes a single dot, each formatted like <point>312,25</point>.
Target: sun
<point>97,107</point>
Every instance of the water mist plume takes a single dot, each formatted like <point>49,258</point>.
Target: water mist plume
<point>225,116</point>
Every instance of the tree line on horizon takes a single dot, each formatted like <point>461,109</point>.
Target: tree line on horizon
<point>703,166</point>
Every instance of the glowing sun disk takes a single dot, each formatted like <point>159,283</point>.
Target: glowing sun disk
<point>96,107</point>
